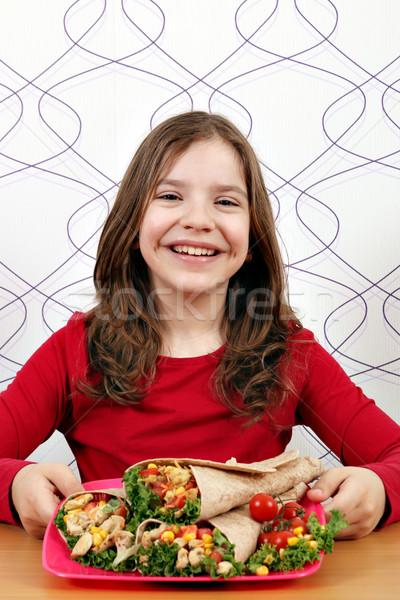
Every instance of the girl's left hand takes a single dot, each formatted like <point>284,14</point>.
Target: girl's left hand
<point>356,492</point>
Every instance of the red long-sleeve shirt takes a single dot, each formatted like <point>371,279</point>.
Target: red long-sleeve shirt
<point>180,417</point>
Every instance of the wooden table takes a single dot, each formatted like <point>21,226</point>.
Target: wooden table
<point>359,569</point>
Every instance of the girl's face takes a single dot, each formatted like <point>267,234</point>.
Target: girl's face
<point>195,231</point>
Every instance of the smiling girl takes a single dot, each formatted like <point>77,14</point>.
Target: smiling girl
<point>192,348</point>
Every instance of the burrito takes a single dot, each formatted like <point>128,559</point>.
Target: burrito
<point>93,525</point>
<point>188,490</point>
<point>183,550</point>
<point>218,547</point>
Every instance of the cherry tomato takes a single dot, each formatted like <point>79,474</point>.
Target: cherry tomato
<point>280,539</point>
<point>147,472</point>
<point>100,496</point>
<point>187,529</point>
<point>216,555</point>
<point>203,531</point>
<point>177,502</point>
<point>265,538</point>
<point>263,507</point>
<point>159,488</point>
<point>292,510</point>
<point>297,522</point>
<point>190,484</point>
<point>120,511</point>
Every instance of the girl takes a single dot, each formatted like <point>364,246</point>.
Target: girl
<point>192,348</point>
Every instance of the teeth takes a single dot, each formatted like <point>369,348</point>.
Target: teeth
<point>193,251</point>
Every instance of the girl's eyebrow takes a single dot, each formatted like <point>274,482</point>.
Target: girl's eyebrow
<point>218,188</point>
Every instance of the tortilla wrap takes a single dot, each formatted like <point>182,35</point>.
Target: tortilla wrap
<point>269,465</point>
<point>221,491</point>
<point>237,526</point>
<point>223,486</point>
<point>115,492</point>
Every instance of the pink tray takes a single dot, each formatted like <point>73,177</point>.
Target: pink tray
<point>57,561</point>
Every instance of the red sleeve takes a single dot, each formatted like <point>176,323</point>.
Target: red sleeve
<point>350,424</point>
<point>31,408</point>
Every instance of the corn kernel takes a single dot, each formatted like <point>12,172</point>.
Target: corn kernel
<point>323,529</point>
<point>298,530</point>
<point>152,466</point>
<point>313,544</point>
<point>167,536</point>
<point>71,513</point>
<point>293,541</point>
<point>208,545</point>
<point>189,536</point>
<point>308,537</point>
<point>95,530</point>
<point>180,490</point>
<point>269,559</point>
<point>102,503</point>
<point>262,570</point>
<point>104,533</point>
<point>281,553</point>
<point>207,538</point>
<point>97,539</point>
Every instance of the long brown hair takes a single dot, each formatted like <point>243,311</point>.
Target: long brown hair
<point>123,332</point>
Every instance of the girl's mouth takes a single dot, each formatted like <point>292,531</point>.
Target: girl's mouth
<point>194,251</point>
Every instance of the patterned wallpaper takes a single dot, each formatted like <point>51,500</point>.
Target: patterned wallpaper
<point>314,84</point>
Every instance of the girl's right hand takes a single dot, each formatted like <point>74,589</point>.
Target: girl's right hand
<point>37,490</point>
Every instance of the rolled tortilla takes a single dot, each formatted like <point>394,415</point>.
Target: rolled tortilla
<point>223,487</point>
<point>239,527</point>
<point>221,491</point>
<point>69,501</point>
<point>270,465</point>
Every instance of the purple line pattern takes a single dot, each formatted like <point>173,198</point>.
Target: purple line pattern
<point>319,104</point>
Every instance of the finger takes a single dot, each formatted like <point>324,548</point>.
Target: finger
<point>59,479</point>
<point>64,480</point>
<point>327,485</point>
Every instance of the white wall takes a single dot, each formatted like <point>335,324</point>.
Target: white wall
<point>314,85</point>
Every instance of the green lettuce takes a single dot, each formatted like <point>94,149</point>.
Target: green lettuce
<point>145,504</point>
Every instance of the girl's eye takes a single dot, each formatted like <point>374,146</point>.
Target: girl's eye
<point>226,202</point>
<point>169,197</point>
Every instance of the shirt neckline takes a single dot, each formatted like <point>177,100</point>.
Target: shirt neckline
<point>188,360</point>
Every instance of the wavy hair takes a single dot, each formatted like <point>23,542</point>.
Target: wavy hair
<point>124,334</point>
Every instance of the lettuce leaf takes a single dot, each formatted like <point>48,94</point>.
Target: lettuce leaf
<point>145,504</point>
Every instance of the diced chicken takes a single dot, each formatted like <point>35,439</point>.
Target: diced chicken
<point>123,540</point>
<point>155,533</point>
<point>79,523</point>
<point>180,541</point>
<point>98,516</point>
<point>194,543</point>
<point>113,523</point>
<point>78,502</point>
<point>180,476</point>
<point>224,567</point>
<point>192,494</point>
<point>146,539</point>
<point>83,545</point>
<point>182,559</point>
<point>195,556</point>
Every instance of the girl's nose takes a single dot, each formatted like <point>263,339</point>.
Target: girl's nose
<point>198,215</point>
